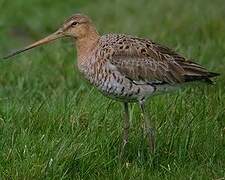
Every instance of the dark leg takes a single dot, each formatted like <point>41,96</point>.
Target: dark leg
<point>149,129</point>
<point>126,127</point>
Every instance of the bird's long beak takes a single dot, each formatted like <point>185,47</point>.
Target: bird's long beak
<point>58,34</point>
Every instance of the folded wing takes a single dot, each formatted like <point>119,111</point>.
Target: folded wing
<point>141,61</point>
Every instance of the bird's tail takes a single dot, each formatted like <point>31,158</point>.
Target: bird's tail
<point>195,72</point>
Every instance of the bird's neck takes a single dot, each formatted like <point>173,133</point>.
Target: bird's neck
<point>86,44</point>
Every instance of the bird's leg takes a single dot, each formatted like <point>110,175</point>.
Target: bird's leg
<point>149,129</point>
<point>126,127</point>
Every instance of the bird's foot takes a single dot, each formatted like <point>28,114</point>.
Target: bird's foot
<point>151,139</point>
<point>122,149</point>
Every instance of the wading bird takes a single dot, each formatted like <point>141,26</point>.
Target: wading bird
<point>125,68</point>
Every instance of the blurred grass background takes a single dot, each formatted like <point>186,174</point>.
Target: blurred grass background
<point>53,125</point>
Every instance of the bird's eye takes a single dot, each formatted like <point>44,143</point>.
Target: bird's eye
<point>74,23</point>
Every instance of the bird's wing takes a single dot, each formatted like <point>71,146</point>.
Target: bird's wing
<point>141,60</point>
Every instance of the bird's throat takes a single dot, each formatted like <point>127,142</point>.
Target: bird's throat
<point>86,44</point>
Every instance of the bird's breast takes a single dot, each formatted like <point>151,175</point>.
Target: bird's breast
<point>111,83</point>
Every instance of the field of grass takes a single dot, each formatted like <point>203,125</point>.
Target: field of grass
<point>53,125</point>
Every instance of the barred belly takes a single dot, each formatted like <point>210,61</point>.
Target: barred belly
<point>121,88</point>
<point>116,86</point>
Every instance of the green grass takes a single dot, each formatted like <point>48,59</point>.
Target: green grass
<point>53,125</point>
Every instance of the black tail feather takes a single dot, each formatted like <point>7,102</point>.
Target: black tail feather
<point>205,78</point>
<point>212,74</point>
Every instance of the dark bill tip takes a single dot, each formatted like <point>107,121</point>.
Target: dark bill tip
<point>13,54</point>
<point>58,34</point>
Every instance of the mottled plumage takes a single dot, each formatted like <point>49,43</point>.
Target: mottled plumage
<point>131,69</point>
<point>126,68</point>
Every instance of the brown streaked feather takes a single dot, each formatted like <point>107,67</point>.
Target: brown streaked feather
<point>143,60</point>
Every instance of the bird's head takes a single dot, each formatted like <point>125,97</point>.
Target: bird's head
<point>78,27</point>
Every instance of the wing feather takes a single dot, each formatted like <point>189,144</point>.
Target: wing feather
<point>143,60</point>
